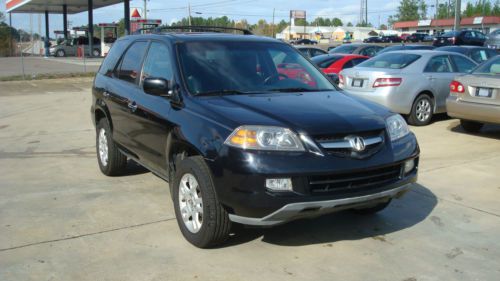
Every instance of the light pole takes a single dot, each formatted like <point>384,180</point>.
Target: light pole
<point>458,5</point>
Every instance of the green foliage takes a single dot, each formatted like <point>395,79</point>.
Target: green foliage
<point>482,8</point>
<point>326,22</point>
<point>349,24</point>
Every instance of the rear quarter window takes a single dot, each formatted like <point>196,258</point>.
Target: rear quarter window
<point>109,63</point>
<point>391,61</point>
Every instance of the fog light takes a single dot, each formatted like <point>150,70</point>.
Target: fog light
<point>279,184</point>
<point>409,165</point>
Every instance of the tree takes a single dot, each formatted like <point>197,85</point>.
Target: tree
<point>408,10</point>
<point>336,22</point>
<point>422,9</point>
<point>2,17</point>
<point>383,27</point>
<point>349,24</point>
<point>445,11</point>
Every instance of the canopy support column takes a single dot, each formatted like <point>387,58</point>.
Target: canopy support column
<point>65,21</point>
<point>91,27</point>
<point>126,8</point>
<point>47,42</point>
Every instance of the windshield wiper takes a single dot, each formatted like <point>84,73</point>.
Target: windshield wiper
<point>297,90</point>
<point>222,93</point>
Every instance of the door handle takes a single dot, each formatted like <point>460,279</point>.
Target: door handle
<point>132,106</point>
<point>431,78</point>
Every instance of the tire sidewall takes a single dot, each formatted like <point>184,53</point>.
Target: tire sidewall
<point>413,115</point>
<point>96,53</point>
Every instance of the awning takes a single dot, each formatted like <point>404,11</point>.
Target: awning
<point>54,6</point>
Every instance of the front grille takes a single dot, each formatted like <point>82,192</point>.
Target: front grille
<point>354,181</point>
<point>347,151</point>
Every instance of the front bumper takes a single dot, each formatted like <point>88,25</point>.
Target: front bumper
<point>487,113</point>
<point>320,183</point>
<point>316,208</point>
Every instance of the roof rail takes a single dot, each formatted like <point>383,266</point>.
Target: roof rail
<point>218,29</point>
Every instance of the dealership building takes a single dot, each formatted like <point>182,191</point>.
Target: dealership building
<point>486,24</point>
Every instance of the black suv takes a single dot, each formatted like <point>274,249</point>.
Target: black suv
<point>245,129</point>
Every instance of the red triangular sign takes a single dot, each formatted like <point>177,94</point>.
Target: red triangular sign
<point>135,14</point>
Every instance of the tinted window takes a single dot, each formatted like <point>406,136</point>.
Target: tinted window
<point>450,34</point>
<point>316,52</point>
<point>439,64</point>
<point>358,60</point>
<point>247,67</point>
<point>325,61</point>
<point>390,60</point>
<point>157,63</point>
<point>480,35</point>
<point>348,64</point>
<point>480,55</point>
<point>131,62</point>
<point>109,63</point>
<point>304,51</point>
<point>370,51</point>
<point>491,67</point>
<point>344,49</point>
<point>463,65</point>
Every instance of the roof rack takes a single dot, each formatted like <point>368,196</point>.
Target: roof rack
<point>218,29</point>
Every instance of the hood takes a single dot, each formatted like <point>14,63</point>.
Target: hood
<point>312,113</point>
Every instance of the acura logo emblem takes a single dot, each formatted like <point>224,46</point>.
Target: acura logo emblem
<point>357,143</point>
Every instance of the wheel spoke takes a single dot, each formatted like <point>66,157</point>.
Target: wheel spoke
<point>191,202</point>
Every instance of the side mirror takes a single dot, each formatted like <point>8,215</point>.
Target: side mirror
<point>156,87</point>
<point>334,78</point>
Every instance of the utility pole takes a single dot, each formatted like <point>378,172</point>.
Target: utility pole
<point>10,34</point>
<point>145,9</point>
<point>458,6</point>
<point>31,34</point>
<point>436,11</point>
<point>189,13</point>
<point>39,28</point>
<point>274,10</point>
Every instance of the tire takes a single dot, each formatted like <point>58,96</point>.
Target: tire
<point>96,53</point>
<point>422,111</point>
<point>111,161</point>
<point>471,126</point>
<point>372,210</point>
<point>60,53</point>
<point>202,220</point>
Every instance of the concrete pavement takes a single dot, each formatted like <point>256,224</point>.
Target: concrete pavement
<point>33,66</point>
<point>61,219</point>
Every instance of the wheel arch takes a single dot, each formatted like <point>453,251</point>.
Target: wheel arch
<point>101,112</point>
<point>430,94</point>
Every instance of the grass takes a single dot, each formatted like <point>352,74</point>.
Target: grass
<point>47,76</point>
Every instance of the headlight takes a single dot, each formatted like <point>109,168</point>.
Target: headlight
<point>396,127</point>
<point>265,138</point>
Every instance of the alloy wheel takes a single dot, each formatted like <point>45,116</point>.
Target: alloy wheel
<point>103,147</point>
<point>423,111</point>
<point>191,203</point>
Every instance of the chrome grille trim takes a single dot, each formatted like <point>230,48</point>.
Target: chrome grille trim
<point>346,144</point>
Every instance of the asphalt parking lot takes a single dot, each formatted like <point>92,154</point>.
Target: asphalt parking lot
<point>61,219</point>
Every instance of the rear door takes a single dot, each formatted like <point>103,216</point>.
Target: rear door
<point>440,72</point>
<point>123,90</point>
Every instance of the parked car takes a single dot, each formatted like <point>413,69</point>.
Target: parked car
<point>413,83</point>
<point>416,37</point>
<point>368,50</point>
<point>311,51</point>
<point>428,38</point>
<point>493,40</point>
<point>373,39</point>
<point>475,98</point>
<point>404,48</point>
<point>304,42</point>
<point>334,63</point>
<point>332,47</point>
<point>238,141</point>
<point>476,53</point>
<point>463,37</point>
<point>70,47</point>
<point>405,36</point>
<point>391,39</point>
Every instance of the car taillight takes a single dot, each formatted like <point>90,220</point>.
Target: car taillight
<point>456,87</point>
<point>387,82</point>
<point>452,39</point>
<point>341,79</point>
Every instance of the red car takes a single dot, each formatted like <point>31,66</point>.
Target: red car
<point>334,63</point>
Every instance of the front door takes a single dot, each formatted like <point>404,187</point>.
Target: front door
<point>439,71</point>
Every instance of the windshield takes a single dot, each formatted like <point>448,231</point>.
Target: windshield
<point>390,60</point>
<point>324,61</point>
<point>450,34</point>
<point>390,49</point>
<point>228,67</point>
<point>344,49</point>
<point>491,67</point>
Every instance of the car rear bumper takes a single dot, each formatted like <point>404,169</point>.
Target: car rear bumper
<point>388,97</point>
<point>487,113</point>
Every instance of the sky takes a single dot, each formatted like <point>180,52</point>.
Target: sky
<point>252,10</point>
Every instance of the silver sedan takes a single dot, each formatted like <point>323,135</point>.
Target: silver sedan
<point>413,83</point>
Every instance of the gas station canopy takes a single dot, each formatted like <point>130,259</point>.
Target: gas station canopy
<point>55,6</point>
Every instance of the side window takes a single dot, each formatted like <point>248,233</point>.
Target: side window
<point>480,55</point>
<point>130,67</point>
<point>304,51</point>
<point>157,63</point>
<point>358,61</point>
<point>438,64</point>
<point>316,52</point>
<point>109,63</point>
<point>463,65</point>
<point>480,35</point>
